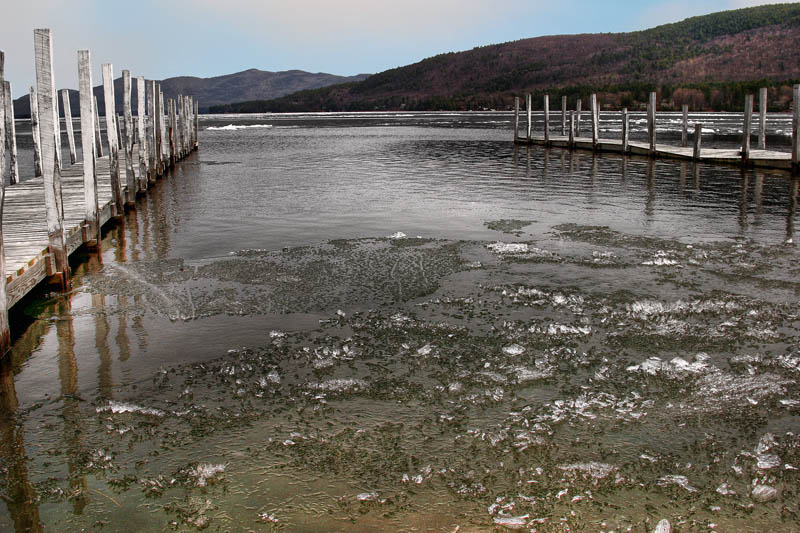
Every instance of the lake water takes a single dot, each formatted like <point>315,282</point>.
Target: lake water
<point>384,321</point>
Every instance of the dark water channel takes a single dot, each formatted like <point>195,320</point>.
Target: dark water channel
<point>401,322</point>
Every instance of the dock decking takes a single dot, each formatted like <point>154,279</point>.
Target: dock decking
<point>757,159</point>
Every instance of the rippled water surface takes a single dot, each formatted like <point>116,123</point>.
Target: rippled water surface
<point>401,322</point>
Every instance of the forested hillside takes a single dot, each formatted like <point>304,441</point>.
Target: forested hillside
<point>709,62</point>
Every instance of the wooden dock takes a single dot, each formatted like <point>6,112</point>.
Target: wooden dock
<point>45,219</point>
<point>745,156</point>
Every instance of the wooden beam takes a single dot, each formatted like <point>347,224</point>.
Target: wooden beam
<point>141,112</point>
<point>130,175</point>
<point>37,138</point>
<point>157,125</point>
<point>563,115</point>
<point>685,130</point>
<point>50,137</point>
<point>91,208</point>
<point>11,134</point>
<point>625,130</point>
<point>747,126</point>
<point>516,118</point>
<point>578,118</point>
<point>65,105</point>
<point>762,118</point>
<point>113,139</point>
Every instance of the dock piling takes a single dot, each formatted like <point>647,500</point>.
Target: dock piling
<point>698,139</point>
<point>113,138</point>
<point>5,332</point>
<point>747,126</point>
<point>547,119</point>
<point>685,129</point>
<point>572,129</point>
<point>516,118</point>
<point>651,123</point>
<point>578,118</point>
<point>151,131</point>
<point>563,115</point>
<point>141,115</point>
<point>11,133</point>
<point>595,120</point>
<point>762,118</point>
<point>88,150</point>
<point>98,139</point>
<point>529,110</point>
<point>65,106</point>
<point>127,141</point>
<point>51,167</point>
<point>37,146</point>
<point>625,133</point>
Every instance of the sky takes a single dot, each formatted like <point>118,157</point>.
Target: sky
<point>163,38</point>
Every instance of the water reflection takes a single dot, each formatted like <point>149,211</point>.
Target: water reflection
<point>20,496</point>
<point>68,376</point>
<point>793,186</point>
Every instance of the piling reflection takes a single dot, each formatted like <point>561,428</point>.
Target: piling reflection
<point>758,190</point>
<point>744,185</point>
<point>18,493</point>
<point>793,187</point>
<point>68,376</point>
<point>650,199</point>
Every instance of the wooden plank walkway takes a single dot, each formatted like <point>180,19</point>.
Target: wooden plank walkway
<point>25,223</point>
<point>758,158</point>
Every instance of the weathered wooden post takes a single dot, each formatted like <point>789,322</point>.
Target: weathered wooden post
<point>179,122</point>
<point>91,207</point>
<point>130,175</point>
<point>171,108</point>
<point>516,118</point>
<point>142,116</point>
<point>685,130</point>
<point>98,139</point>
<point>65,105</point>
<point>698,138</point>
<point>5,332</point>
<point>563,115</point>
<point>164,132</point>
<point>547,119</point>
<point>651,123</point>
<point>762,118</point>
<point>196,127</point>
<point>572,129</point>
<point>578,118</point>
<point>747,127</point>
<point>157,126</point>
<point>625,134</point>
<point>113,139</point>
<point>11,133</point>
<point>37,138</point>
<point>595,121</point>
<point>151,130</point>
<point>528,107</point>
<point>50,137</point>
<point>795,127</point>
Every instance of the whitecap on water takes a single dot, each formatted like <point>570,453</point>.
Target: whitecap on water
<point>205,472</point>
<point>513,349</point>
<point>234,127</point>
<point>122,407</point>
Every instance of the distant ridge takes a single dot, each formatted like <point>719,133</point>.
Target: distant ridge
<point>708,62</point>
<point>245,85</point>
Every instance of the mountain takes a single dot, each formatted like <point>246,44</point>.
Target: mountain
<point>708,62</point>
<point>245,85</point>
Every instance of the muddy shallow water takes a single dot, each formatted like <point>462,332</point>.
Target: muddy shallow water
<point>412,327</point>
